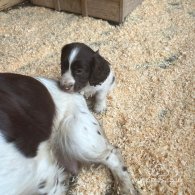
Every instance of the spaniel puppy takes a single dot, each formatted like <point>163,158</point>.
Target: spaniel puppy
<point>86,71</point>
<point>45,135</point>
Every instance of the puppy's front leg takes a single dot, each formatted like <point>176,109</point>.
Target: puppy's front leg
<point>100,101</point>
<point>101,94</point>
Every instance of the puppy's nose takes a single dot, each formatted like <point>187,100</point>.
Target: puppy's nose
<point>68,86</point>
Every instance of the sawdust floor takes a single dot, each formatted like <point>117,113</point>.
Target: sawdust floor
<point>151,110</point>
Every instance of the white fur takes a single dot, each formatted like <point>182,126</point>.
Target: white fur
<point>77,135</point>
<point>21,176</point>
<point>100,91</point>
<point>67,78</point>
<point>73,55</point>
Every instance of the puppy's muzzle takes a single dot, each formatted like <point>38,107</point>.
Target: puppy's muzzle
<point>69,87</point>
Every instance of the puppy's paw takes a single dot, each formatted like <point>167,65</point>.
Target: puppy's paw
<point>100,108</point>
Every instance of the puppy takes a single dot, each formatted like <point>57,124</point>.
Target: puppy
<point>45,135</point>
<point>86,71</point>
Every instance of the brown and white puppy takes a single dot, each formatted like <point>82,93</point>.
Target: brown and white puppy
<point>45,133</point>
<point>87,72</point>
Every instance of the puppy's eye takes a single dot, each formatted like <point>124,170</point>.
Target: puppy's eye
<point>79,71</point>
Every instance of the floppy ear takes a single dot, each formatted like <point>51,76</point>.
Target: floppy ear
<point>63,59</point>
<point>99,70</point>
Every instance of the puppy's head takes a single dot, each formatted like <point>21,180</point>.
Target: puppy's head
<point>80,65</point>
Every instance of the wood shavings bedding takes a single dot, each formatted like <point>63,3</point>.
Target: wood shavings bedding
<point>151,110</point>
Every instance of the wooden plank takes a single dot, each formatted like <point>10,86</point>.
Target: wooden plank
<point>84,8</point>
<point>105,9</point>
<point>121,11</point>
<point>4,4</point>
<point>71,6</point>
<point>57,5</point>
<point>65,5</point>
<point>45,3</point>
<point>113,10</point>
